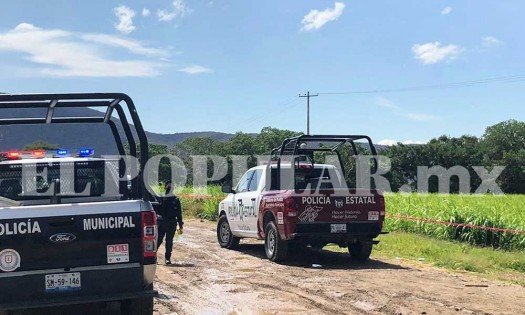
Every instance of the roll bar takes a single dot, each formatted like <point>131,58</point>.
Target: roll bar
<point>110,101</point>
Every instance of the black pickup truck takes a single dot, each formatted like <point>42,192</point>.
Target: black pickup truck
<point>60,247</point>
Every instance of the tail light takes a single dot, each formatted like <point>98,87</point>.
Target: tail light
<point>149,234</point>
<point>14,155</point>
<point>290,208</point>
<point>382,206</point>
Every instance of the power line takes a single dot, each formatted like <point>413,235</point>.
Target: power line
<point>283,109</point>
<point>267,113</point>
<point>461,84</point>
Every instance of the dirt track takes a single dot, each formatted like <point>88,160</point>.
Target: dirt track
<point>206,279</point>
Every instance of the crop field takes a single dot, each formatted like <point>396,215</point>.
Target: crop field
<point>506,212</point>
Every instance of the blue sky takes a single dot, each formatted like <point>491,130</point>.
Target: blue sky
<point>233,65</point>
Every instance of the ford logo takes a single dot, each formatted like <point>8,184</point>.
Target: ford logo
<point>62,238</point>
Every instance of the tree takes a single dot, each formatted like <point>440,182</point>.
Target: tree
<point>40,145</point>
<point>270,138</point>
<point>504,144</point>
<point>507,136</point>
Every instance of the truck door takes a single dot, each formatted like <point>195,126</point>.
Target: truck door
<point>237,215</point>
<point>250,203</point>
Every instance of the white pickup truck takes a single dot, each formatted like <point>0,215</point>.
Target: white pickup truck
<point>303,203</point>
<point>58,246</point>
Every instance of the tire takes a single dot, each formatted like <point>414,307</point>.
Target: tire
<point>276,249</point>
<point>360,251</point>
<point>225,236</point>
<point>139,306</point>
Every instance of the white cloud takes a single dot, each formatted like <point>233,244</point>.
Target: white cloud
<point>390,142</point>
<point>397,110</point>
<point>446,11</point>
<point>61,53</point>
<point>490,41</point>
<point>145,12</point>
<point>179,10</point>
<point>195,69</point>
<point>315,19</point>
<point>431,53</point>
<point>125,16</point>
<point>420,117</point>
<point>386,103</point>
<point>131,45</point>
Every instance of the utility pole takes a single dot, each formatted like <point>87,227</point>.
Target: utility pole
<point>308,95</point>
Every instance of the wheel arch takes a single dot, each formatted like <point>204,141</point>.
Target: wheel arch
<point>267,217</point>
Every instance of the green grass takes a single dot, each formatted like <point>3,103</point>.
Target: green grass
<point>506,211</point>
<point>206,208</point>
<point>489,263</point>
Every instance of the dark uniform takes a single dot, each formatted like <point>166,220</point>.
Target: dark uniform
<point>170,214</point>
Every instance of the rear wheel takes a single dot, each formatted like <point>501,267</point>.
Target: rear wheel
<point>140,306</point>
<point>360,250</point>
<point>276,249</point>
<point>224,234</point>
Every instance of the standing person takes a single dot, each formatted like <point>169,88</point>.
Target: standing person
<point>170,214</point>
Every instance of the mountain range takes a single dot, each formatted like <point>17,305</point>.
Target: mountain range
<point>75,136</point>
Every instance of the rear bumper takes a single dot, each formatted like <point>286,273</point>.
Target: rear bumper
<point>322,231</point>
<point>17,305</point>
<point>98,284</point>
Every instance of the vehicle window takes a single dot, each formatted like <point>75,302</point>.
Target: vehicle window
<point>318,178</point>
<point>243,183</point>
<point>15,187</point>
<point>254,183</point>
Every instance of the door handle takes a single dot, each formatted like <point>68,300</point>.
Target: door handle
<point>253,199</point>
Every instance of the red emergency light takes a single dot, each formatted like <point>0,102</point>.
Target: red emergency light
<point>14,155</point>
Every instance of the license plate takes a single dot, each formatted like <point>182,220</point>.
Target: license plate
<point>373,215</point>
<point>63,282</point>
<point>338,228</point>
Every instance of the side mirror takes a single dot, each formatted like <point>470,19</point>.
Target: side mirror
<point>227,188</point>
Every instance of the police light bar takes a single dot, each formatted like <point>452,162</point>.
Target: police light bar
<point>62,152</point>
<point>86,152</point>
<point>14,155</point>
<point>38,153</point>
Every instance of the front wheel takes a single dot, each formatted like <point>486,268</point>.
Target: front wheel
<point>360,250</point>
<point>276,249</point>
<point>224,234</point>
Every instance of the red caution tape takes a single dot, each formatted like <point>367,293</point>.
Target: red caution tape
<point>401,217</point>
<point>472,226</point>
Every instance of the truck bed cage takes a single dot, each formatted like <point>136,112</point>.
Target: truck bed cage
<point>110,101</point>
<point>292,145</point>
<point>308,144</point>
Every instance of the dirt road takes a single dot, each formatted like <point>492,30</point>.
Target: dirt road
<point>206,279</point>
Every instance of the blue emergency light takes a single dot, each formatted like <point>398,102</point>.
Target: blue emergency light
<point>86,152</point>
<point>62,152</point>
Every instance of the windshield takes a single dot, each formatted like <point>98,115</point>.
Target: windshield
<point>36,183</point>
